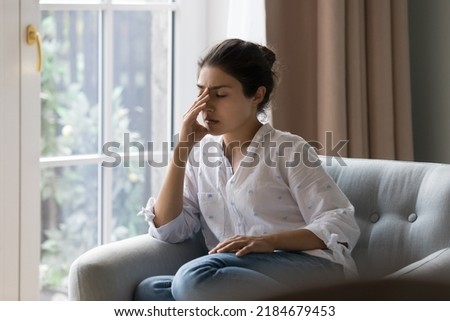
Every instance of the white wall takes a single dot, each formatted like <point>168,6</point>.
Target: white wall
<point>217,19</point>
<point>429,26</point>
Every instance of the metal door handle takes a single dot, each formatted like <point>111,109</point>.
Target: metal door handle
<point>33,38</point>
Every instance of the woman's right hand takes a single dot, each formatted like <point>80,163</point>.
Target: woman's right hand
<point>191,130</point>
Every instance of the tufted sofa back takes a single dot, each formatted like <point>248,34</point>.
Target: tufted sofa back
<point>402,209</point>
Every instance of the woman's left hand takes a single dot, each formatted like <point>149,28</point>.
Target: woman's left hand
<point>243,245</point>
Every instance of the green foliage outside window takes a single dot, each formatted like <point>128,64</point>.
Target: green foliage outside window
<point>70,126</point>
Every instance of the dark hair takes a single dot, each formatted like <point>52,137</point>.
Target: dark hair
<point>251,64</point>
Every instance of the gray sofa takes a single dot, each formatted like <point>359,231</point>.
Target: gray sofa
<point>402,208</point>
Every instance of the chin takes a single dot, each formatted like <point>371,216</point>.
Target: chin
<point>214,131</point>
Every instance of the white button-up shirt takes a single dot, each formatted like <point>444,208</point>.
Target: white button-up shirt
<point>279,186</point>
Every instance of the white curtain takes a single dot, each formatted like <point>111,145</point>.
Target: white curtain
<point>247,20</point>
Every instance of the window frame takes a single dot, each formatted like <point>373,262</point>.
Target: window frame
<point>183,54</point>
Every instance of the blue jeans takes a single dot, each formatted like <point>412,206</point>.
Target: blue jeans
<point>255,276</point>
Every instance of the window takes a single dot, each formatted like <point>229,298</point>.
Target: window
<point>108,77</point>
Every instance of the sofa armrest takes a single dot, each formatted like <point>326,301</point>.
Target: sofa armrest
<point>112,271</point>
<point>433,268</point>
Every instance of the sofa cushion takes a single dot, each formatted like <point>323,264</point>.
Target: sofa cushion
<point>402,209</point>
<point>434,268</point>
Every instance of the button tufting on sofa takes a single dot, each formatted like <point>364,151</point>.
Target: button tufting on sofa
<point>374,217</point>
<point>412,217</point>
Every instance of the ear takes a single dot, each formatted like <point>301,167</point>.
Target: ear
<point>259,95</point>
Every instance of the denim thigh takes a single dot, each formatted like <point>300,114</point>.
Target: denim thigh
<point>255,276</point>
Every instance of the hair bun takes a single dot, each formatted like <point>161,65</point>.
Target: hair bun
<point>268,54</point>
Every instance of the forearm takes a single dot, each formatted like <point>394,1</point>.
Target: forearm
<point>169,202</point>
<point>296,240</point>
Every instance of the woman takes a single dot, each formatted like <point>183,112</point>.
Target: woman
<point>272,219</point>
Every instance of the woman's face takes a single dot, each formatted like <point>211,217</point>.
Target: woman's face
<point>227,111</point>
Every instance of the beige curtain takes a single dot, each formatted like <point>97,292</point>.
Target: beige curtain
<point>344,68</point>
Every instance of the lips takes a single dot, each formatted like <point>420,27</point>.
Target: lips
<point>210,121</point>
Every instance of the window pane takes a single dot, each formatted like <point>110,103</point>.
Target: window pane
<point>69,83</point>
<point>69,223</point>
<point>70,1</point>
<point>140,105</point>
<point>132,186</point>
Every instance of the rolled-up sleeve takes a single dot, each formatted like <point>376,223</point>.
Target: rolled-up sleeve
<point>326,210</point>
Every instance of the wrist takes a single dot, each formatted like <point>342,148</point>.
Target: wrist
<point>270,240</point>
<point>181,153</point>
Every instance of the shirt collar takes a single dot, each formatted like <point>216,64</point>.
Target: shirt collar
<point>262,131</point>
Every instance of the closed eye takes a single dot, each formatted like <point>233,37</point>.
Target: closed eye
<point>220,96</point>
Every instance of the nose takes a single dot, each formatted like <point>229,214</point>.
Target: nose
<point>209,106</point>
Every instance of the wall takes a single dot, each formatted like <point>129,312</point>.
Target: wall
<point>429,24</point>
<point>217,20</point>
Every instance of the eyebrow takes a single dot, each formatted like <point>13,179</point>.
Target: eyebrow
<point>213,87</point>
